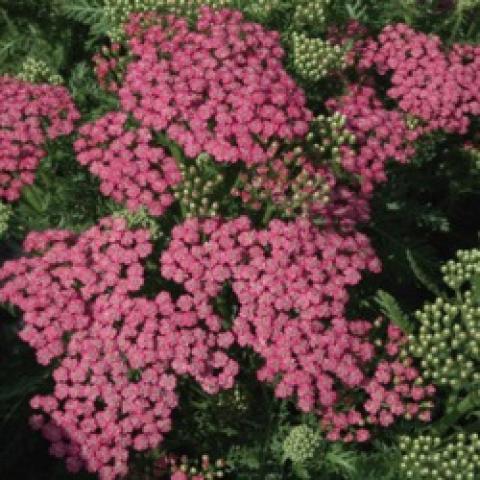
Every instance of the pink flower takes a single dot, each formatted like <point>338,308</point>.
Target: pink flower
<point>29,115</point>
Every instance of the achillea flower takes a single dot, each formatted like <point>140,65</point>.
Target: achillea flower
<point>439,87</point>
<point>30,114</point>
<point>292,297</point>
<point>213,89</point>
<point>130,168</point>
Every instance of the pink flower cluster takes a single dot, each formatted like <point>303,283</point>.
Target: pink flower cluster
<point>389,392</point>
<point>289,180</point>
<point>55,290</point>
<point>30,114</point>
<point>118,352</point>
<point>130,168</point>
<point>215,89</point>
<point>291,283</point>
<point>112,390</point>
<point>108,67</point>
<point>442,88</point>
<point>381,135</point>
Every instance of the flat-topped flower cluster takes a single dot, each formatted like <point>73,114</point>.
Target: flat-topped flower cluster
<point>219,89</point>
<point>120,353</point>
<point>218,93</point>
<point>30,115</point>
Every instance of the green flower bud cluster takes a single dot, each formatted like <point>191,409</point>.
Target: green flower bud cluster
<point>285,185</point>
<point>37,71</point>
<point>118,11</point>
<point>200,182</point>
<point>261,10</point>
<point>327,135</point>
<point>5,214</point>
<point>412,122</point>
<point>448,341</point>
<point>467,266</point>
<point>311,13</point>
<point>314,58</point>
<point>301,444</point>
<point>431,457</point>
<point>208,469</point>
<point>140,219</point>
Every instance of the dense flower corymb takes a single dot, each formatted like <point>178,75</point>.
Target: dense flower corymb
<point>290,282</point>
<point>130,168</point>
<point>442,88</point>
<point>214,89</point>
<point>30,114</point>
<point>117,352</point>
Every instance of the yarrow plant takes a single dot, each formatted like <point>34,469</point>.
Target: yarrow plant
<point>436,85</point>
<point>237,239</point>
<point>30,115</point>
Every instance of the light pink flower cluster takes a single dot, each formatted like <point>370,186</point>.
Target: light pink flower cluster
<point>30,114</point>
<point>440,87</point>
<point>291,283</point>
<point>131,169</point>
<point>118,353</point>
<point>380,134</point>
<point>216,89</point>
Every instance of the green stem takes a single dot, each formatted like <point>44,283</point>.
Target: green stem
<point>268,214</point>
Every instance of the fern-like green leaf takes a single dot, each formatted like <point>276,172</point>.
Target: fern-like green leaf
<point>392,310</point>
<point>421,275</point>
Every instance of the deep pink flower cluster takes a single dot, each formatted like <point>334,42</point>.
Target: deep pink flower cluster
<point>56,289</point>
<point>291,283</point>
<point>389,392</point>
<point>215,89</point>
<point>30,114</point>
<point>118,353</point>
<point>381,135</point>
<point>442,88</point>
<point>112,390</point>
<point>130,168</point>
